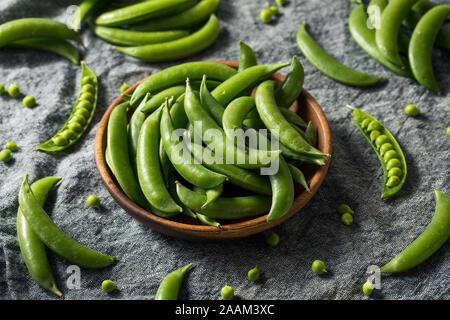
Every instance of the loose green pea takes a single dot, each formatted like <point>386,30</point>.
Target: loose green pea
<point>227,292</point>
<point>108,286</point>
<point>273,10</point>
<point>12,146</point>
<point>393,163</point>
<point>391,154</point>
<point>381,140</point>
<point>395,172</point>
<point>273,239</point>
<point>59,140</point>
<point>367,288</point>
<point>448,131</point>
<point>393,181</point>
<point>5,155</point>
<point>265,15</point>
<point>374,125</point>
<point>280,2</point>
<point>344,208</point>
<point>386,147</point>
<point>13,90</point>
<point>365,123</point>
<point>347,219</point>
<point>93,201</point>
<point>2,89</point>
<point>29,101</point>
<point>318,267</point>
<point>87,96</point>
<point>411,110</point>
<point>253,274</point>
<point>124,87</point>
<point>374,135</point>
<point>75,126</point>
<point>88,88</point>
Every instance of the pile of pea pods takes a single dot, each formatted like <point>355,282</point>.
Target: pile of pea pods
<point>144,155</point>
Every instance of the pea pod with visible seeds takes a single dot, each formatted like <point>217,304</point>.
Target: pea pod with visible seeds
<point>31,247</point>
<point>328,65</point>
<point>387,149</point>
<point>170,286</point>
<point>80,117</point>
<point>53,237</point>
<point>428,242</point>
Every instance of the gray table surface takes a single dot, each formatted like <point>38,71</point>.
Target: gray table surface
<point>381,229</point>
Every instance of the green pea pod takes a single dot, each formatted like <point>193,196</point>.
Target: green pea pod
<point>387,34</point>
<point>149,168</point>
<point>158,99</point>
<point>208,221</point>
<point>118,147</point>
<point>365,38</point>
<point>224,208</point>
<point>428,242</point>
<point>27,28</point>
<point>421,46</point>
<point>85,10</point>
<point>293,118</point>
<point>142,11</point>
<point>184,20</point>
<point>328,65</point>
<point>164,160</point>
<point>292,86</point>
<point>54,238</point>
<point>178,74</point>
<point>134,128</point>
<point>247,57</point>
<point>60,47</point>
<point>282,191</point>
<point>31,247</point>
<point>80,117</point>
<point>244,80</point>
<point>298,176</point>
<point>387,149</point>
<point>185,164</point>
<point>124,37</point>
<point>214,108</point>
<point>211,194</point>
<point>179,48</point>
<point>311,134</point>
<point>170,286</point>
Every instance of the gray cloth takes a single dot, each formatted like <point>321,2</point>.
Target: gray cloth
<point>381,228</point>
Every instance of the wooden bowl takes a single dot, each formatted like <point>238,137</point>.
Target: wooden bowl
<point>187,228</point>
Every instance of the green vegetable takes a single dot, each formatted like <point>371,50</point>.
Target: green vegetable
<point>448,131</point>
<point>367,288</point>
<point>411,110</point>
<point>227,292</point>
<point>93,201</point>
<point>318,267</point>
<point>29,101</point>
<point>253,274</point>
<point>347,219</point>
<point>12,146</point>
<point>343,208</point>
<point>265,15</point>
<point>108,286</point>
<point>170,286</point>
<point>13,90</point>
<point>5,155</point>
<point>281,3</point>
<point>273,10</point>
<point>2,89</point>
<point>272,239</point>
<point>124,87</point>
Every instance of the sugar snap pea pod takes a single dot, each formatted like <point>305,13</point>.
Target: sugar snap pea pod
<point>247,57</point>
<point>292,86</point>
<point>142,11</point>
<point>134,128</point>
<point>278,125</point>
<point>423,6</point>
<point>298,176</point>
<point>235,114</point>
<point>85,10</point>
<point>211,194</point>
<point>387,149</point>
<point>159,98</point>
<point>224,208</point>
<point>124,37</point>
<point>244,80</point>
<point>421,46</point>
<point>387,34</point>
<point>178,74</point>
<point>170,286</point>
<point>80,117</point>
<point>293,118</point>
<point>208,221</point>
<point>27,28</point>
<point>214,108</point>
<point>443,36</point>
<point>311,134</point>
<point>53,237</point>
<point>31,247</point>
<point>328,65</point>
<point>184,20</point>
<point>189,169</point>
<point>365,38</point>
<point>149,171</point>
<point>164,160</point>
<point>282,191</point>
<point>118,147</point>
<point>60,47</point>
<point>179,48</point>
<point>433,237</point>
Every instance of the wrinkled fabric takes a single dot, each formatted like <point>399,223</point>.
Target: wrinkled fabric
<point>381,228</point>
